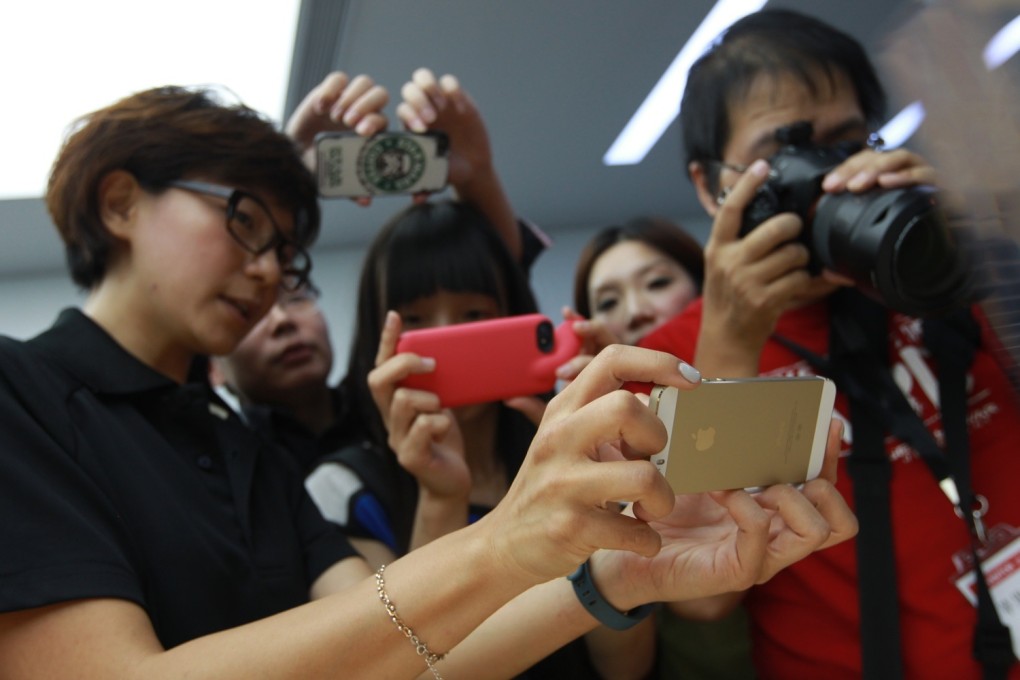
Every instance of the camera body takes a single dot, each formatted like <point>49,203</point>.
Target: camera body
<point>388,163</point>
<point>794,185</point>
<point>896,244</point>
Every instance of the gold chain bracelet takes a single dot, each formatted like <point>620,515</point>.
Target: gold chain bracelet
<point>420,647</point>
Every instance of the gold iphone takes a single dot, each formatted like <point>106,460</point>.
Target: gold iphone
<point>743,433</point>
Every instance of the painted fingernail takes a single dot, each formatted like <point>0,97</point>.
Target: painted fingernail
<point>690,374</point>
<point>860,180</point>
<point>759,168</point>
<point>351,116</point>
<point>363,127</point>
<point>832,181</point>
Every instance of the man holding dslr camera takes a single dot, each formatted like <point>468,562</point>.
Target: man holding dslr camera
<point>824,257</point>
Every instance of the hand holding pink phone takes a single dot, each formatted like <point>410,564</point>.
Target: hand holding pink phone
<point>490,360</point>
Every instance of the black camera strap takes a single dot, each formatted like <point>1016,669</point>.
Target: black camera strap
<point>953,345</point>
<point>858,362</point>
<point>852,359</point>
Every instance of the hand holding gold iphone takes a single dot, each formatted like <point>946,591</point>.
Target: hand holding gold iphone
<point>743,433</point>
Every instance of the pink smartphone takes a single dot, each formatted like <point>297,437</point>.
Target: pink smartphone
<point>490,360</point>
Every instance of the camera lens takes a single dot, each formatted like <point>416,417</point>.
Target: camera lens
<point>925,259</point>
<point>894,243</point>
<point>544,337</point>
<point>897,246</point>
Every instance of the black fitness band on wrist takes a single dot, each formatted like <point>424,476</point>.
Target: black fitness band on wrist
<point>605,613</point>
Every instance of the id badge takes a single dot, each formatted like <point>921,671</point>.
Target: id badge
<point>1000,560</point>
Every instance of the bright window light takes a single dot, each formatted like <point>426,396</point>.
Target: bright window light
<point>1003,45</point>
<point>64,59</point>
<point>662,105</point>
<point>902,126</point>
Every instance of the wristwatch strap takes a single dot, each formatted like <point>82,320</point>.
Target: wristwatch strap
<point>605,613</point>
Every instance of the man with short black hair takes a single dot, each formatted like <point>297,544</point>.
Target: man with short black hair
<point>897,602</point>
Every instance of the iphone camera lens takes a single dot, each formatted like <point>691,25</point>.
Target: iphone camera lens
<point>544,335</point>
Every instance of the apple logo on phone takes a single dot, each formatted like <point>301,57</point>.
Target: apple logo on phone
<point>704,438</point>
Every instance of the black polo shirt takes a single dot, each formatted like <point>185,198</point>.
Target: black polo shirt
<point>117,482</point>
<point>307,447</point>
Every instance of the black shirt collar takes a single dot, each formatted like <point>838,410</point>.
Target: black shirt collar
<point>282,428</point>
<point>89,353</point>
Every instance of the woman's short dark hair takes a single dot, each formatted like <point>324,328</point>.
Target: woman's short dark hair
<point>161,135</point>
<point>773,42</point>
<point>657,232</point>
<point>441,245</point>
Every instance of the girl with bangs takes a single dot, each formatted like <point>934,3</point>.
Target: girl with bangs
<point>414,472</point>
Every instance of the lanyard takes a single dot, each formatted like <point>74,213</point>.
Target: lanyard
<point>883,400</point>
<point>858,363</point>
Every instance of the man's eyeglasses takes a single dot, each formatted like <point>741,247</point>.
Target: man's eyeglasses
<point>738,168</point>
<point>251,224</point>
<point>874,142</point>
<point>845,149</point>
<point>720,198</point>
<point>303,297</point>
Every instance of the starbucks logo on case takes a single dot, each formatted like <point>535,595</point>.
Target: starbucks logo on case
<point>391,163</point>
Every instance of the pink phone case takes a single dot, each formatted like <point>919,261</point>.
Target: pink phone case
<point>491,360</point>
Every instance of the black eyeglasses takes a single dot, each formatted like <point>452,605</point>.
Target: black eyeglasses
<point>735,167</point>
<point>252,226</point>
<point>299,299</point>
<point>844,148</point>
<point>874,142</point>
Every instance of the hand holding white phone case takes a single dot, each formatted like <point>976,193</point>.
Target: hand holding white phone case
<point>743,433</point>
<point>388,163</point>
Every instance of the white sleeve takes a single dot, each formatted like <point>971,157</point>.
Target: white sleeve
<point>332,486</point>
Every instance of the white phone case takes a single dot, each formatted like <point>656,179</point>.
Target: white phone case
<point>743,433</point>
<point>350,165</point>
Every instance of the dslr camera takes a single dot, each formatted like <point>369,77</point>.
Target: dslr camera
<point>896,244</point>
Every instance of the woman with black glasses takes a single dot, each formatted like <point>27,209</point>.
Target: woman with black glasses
<point>147,533</point>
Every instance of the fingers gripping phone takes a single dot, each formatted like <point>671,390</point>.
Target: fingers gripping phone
<point>350,165</point>
<point>492,360</point>
<point>743,433</point>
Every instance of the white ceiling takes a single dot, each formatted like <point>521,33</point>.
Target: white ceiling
<point>555,79</point>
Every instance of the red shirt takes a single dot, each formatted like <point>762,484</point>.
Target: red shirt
<point>805,620</point>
